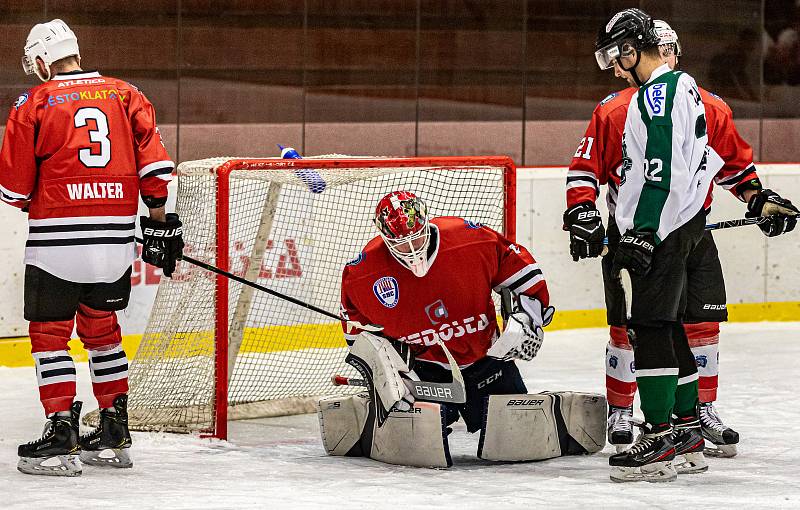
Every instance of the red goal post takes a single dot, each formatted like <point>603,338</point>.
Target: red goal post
<point>291,225</point>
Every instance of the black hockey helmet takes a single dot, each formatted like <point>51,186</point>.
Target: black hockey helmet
<point>626,30</point>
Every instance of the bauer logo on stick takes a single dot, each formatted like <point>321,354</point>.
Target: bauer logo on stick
<point>387,291</point>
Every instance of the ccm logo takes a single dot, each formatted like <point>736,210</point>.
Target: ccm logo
<point>588,214</point>
<point>525,402</point>
<point>428,391</point>
<point>151,232</point>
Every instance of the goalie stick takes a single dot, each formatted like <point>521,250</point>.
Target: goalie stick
<point>425,391</point>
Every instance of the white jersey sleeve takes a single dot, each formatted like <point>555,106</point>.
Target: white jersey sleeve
<point>667,163</point>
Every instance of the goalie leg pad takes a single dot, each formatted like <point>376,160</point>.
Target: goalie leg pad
<point>415,437</point>
<point>341,423</point>
<point>542,426</point>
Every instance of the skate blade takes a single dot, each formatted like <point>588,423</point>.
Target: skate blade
<point>110,457</point>
<point>59,465</point>
<point>693,463</point>
<point>721,451</point>
<point>655,472</point>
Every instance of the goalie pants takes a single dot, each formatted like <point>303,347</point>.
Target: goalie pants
<point>705,300</point>
<point>487,376</point>
<point>52,306</point>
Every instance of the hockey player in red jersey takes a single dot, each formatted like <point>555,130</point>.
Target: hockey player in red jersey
<point>79,150</point>
<point>597,162</point>
<point>429,284</point>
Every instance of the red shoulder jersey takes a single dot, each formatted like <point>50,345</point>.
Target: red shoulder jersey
<point>599,156</point>
<point>452,302</point>
<point>78,151</point>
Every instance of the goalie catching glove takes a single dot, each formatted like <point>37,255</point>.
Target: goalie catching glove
<point>163,242</point>
<point>523,335</point>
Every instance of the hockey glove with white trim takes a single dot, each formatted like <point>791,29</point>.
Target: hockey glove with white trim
<point>781,212</point>
<point>523,335</point>
<point>586,231</point>
<point>163,242</point>
<point>634,253</point>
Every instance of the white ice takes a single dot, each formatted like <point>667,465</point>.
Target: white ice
<point>280,463</point>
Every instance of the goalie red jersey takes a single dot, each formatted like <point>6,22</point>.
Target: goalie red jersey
<point>452,301</point>
<point>81,182</point>
<point>599,156</point>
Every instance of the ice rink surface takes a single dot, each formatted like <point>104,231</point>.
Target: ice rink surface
<point>280,463</point>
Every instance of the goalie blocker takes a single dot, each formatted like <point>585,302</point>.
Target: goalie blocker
<point>520,427</point>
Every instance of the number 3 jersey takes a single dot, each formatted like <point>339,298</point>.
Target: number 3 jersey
<point>77,153</point>
<point>452,302</point>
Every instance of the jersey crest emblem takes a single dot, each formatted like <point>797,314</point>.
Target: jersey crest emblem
<point>609,98</point>
<point>387,291</point>
<point>655,98</point>
<point>21,100</point>
<point>613,361</point>
<point>473,224</point>
<point>701,360</point>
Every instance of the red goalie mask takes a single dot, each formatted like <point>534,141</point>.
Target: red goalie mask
<point>402,220</point>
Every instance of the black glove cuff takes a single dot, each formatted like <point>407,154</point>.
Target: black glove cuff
<point>585,212</point>
<point>169,229</point>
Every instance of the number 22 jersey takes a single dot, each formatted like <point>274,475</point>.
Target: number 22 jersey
<point>77,153</point>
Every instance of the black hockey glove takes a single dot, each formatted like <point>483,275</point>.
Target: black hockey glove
<point>586,231</point>
<point>781,212</point>
<point>163,242</point>
<point>634,252</point>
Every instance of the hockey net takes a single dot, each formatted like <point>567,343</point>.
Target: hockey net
<point>290,225</point>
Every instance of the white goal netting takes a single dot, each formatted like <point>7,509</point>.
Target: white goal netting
<point>290,225</point>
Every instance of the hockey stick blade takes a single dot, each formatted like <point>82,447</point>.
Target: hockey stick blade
<point>452,392</point>
<point>422,391</point>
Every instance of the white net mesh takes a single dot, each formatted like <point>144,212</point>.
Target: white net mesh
<point>292,230</point>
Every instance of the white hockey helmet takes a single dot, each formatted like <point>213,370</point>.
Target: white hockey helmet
<point>49,41</point>
<point>667,36</point>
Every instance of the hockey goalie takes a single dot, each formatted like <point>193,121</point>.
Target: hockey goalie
<point>440,354</point>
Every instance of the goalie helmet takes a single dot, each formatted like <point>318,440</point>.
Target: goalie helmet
<point>402,221</point>
<point>626,31</point>
<point>667,37</point>
<point>50,42</point>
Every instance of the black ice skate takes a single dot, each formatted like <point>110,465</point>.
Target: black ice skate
<point>108,444</point>
<point>55,453</point>
<point>689,444</point>
<point>649,459</point>
<point>723,439</point>
<point>620,427</point>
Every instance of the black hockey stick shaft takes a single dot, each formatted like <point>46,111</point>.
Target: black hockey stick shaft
<point>214,269</point>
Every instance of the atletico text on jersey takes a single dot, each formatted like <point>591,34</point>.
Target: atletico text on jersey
<point>78,151</point>
<point>667,165</point>
<point>599,156</point>
<point>452,302</point>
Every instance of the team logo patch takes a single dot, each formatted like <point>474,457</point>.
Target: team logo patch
<point>387,291</point>
<point>609,98</point>
<point>21,100</point>
<point>702,360</point>
<point>655,98</point>
<point>436,311</point>
<point>613,361</point>
<point>473,224</point>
